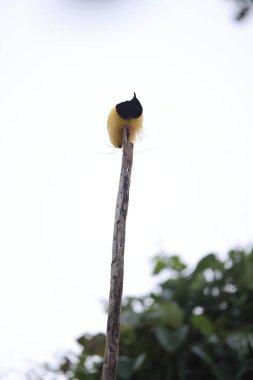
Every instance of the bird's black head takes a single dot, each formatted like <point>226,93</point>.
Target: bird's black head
<point>130,108</point>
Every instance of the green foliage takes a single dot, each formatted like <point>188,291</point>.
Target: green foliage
<point>162,262</point>
<point>197,325</point>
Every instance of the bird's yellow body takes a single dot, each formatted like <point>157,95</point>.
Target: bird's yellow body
<point>115,126</point>
<point>126,114</point>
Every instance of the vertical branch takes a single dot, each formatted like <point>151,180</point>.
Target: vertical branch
<point>117,266</point>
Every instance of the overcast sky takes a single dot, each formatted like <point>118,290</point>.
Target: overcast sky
<point>63,66</point>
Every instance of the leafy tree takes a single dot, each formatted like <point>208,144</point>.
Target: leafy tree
<point>195,325</point>
<point>244,7</point>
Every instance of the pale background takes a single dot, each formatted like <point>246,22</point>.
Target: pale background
<point>63,66</point>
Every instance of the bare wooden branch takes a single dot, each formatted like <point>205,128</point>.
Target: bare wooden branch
<point>117,266</point>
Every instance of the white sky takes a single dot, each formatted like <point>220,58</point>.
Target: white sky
<point>63,66</point>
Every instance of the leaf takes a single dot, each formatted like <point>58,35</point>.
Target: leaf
<point>171,340</point>
<point>238,341</point>
<point>139,361</point>
<point>167,262</point>
<point>198,282</point>
<point>125,367</point>
<point>239,375</point>
<point>203,324</point>
<point>208,360</point>
<point>169,314</point>
<point>250,339</point>
<point>160,264</point>
<point>93,345</point>
<point>209,261</point>
<point>176,264</point>
<point>236,256</point>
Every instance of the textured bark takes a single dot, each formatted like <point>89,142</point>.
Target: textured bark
<point>117,266</point>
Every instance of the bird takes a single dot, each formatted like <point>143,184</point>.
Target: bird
<point>125,114</point>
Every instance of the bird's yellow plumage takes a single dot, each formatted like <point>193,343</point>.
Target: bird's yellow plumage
<point>127,114</point>
<point>115,126</point>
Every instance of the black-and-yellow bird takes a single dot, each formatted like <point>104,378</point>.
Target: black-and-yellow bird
<point>126,114</point>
